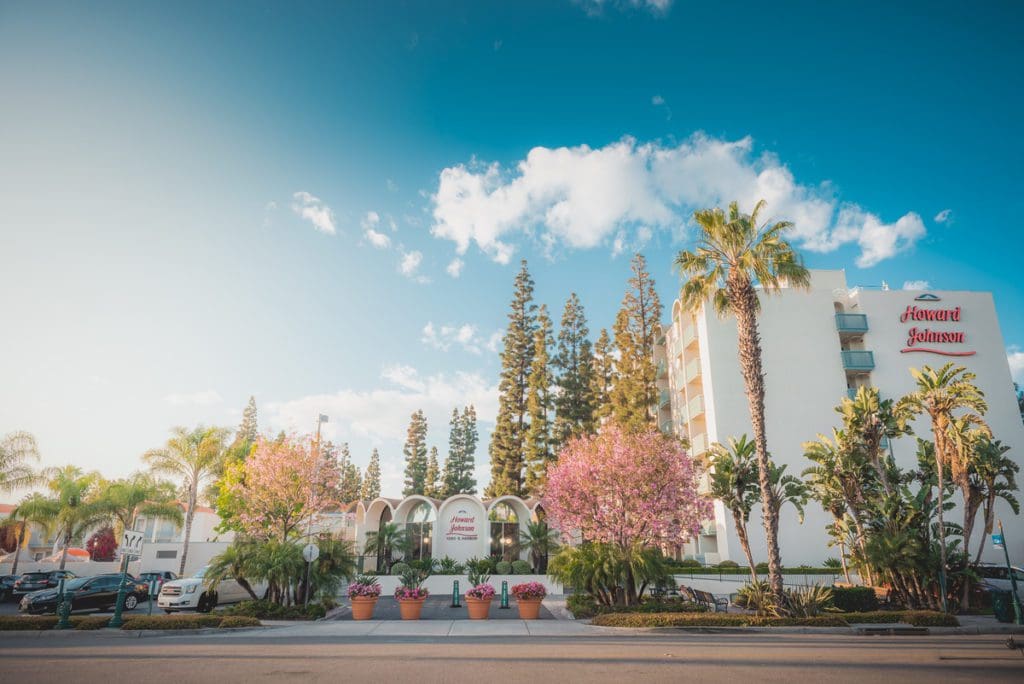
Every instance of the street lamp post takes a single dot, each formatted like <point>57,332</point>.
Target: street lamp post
<point>320,420</point>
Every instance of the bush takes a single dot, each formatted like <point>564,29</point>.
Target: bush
<point>521,567</point>
<point>689,563</point>
<point>582,606</point>
<point>761,567</point>
<point>503,568</point>
<point>728,564</point>
<point>450,566</point>
<point>268,610</point>
<point>234,621</point>
<point>854,599</point>
<point>34,623</point>
<point>92,622</point>
<point>807,601</point>
<point>172,622</point>
<point>758,597</point>
<point>709,620</point>
<point>481,566</point>
<point>917,618</point>
<point>399,567</point>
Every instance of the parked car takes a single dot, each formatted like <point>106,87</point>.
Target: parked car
<point>159,577</point>
<point>995,576</point>
<point>45,579</point>
<point>7,587</point>
<point>191,593</point>
<point>87,593</point>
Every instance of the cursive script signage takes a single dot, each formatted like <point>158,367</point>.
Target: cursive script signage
<point>921,338</point>
<point>461,526</point>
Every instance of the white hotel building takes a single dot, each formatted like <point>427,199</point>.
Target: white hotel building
<point>818,345</point>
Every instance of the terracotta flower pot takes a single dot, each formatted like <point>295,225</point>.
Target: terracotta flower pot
<point>362,607</point>
<point>478,608</point>
<point>411,608</point>
<point>529,609</point>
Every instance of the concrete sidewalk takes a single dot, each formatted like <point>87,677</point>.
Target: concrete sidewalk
<point>433,629</point>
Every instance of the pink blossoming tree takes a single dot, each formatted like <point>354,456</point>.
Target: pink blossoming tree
<point>629,491</point>
<point>284,484</point>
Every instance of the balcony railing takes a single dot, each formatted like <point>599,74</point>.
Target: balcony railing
<point>856,360</point>
<point>851,393</point>
<point>664,399</point>
<point>851,323</point>
<point>699,444</point>
<point>662,369</point>
<point>689,335</point>
<point>695,407</point>
<point>692,369</point>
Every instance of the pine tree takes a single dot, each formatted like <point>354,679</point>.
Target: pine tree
<point>575,402</point>
<point>351,481</point>
<point>371,481</point>
<point>466,478</point>
<point>432,484</point>
<point>604,376</point>
<point>416,455</point>
<point>248,430</point>
<point>507,441</point>
<point>537,447</point>
<point>456,447</point>
<point>635,394</point>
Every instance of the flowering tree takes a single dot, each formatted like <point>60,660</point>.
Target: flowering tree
<point>284,483</point>
<point>625,491</point>
<point>102,545</point>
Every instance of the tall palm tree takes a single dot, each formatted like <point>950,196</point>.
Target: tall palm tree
<point>34,509</point>
<point>996,478</point>
<point>541,541</point>
<point>388,540</point>
<point>77,503</point>
<point>141,494</point>
<point>194,456</point>
<point>940,395</point>
<point>17,449</point>
<point>733,479</point>
<point>871,420</point>
<point>736,255</point>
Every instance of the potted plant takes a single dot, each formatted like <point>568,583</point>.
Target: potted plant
<point>479,596</point>
<point>528,598</point>
<point>411,594</point>
<point>363,593</point>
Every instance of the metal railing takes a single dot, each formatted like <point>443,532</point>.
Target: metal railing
<point>851,323</point>
<point>857,360</point>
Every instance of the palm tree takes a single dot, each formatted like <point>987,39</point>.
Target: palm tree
<point>16,450</point>
<point>939,395</point>
<point>34,509</point>
<point>733,478</point>
<point>77,504</point>
<point>385,542</point>
<point>541,541</point>
<point>194,456</point>
<point>996,479</point>
<point>141,494</point>
<point>736,255</point>
<point>871,420</point>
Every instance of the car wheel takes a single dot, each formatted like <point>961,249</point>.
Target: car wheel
<point>130,602</point>
<point>207,602</point>
<point>168,611</point>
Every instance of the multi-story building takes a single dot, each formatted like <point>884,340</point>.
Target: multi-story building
<point>820,345</point>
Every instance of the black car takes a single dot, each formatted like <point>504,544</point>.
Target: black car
<point>35,581</point>
<point>87,593</point>
<point>7,586</point>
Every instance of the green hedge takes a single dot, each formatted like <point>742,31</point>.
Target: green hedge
<point>583,606</point>
<point>854,599</point>
<point>92,622</point>
<point>521,567</point>
<point>918,618</point>
<point>709,620</point>
<point>233,621</point>
<point>267,610</point>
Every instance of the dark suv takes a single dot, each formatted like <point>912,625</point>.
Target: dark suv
<point>37,581</point>
<point>7,586</point>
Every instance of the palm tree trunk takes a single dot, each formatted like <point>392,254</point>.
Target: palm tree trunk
<point>989,515</point>
<point>17,550</point>
<point>744,299</point>
<point>64,552</point>
<point>942,529</point>
<point>741,533</point>
<point>193,494</point>
<point>970,513</point>
<point>842,553</point>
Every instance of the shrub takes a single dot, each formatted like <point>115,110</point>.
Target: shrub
<point>91,623</point>
<point>807,601</point>
<point>758,597</point>
<point>710,620</point>
<point>234,621</point>
<point>761,567</point>
<point>268,610</point>
<point>482,566</point>
<point>521,567</point>
<point>34,623</point>
<point>399,567</point>
<point>529,590</point>
<point>582,606</point>
<point>854,599</point>
<point>728,565</point>
<point>172,622</point>
<point>503,568</point>
<point>450,566</point>
<point>918,618</point>
<point>690,563</point>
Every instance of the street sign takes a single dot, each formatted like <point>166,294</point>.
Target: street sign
<point>311,552</point>
<point>997,541</point>
<point>131,543</point>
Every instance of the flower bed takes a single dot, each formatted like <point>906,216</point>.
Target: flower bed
<point>411,593</point>
<point>528,590</point>
<point>364,590</point>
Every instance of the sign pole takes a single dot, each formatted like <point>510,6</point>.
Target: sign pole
<point>63,609</point>
<point>1017,613</point>
<point>131,543</point>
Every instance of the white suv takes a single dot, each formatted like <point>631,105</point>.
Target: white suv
<point>191,593</point>
<point>995,576</point>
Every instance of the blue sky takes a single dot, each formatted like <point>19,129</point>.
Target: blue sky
<point>199,202</point>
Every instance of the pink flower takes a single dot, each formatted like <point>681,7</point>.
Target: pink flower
<point>481,592</point>
<point>529,590</point>
<point>365,590</point>
<point>411,594</point>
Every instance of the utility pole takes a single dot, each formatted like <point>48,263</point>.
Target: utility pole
<point>320,420</point>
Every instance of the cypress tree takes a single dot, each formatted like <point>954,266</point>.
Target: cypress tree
<point>248,430</point>
<point>415,451</point>
<point>575,402</point>
<point>470,437</point>
<point>604,376</point>
<point>351,481</point>
<point>371,481</point>
<point>432,485</point>
<point>507,441</point>
<point>537,448</point>
<point>635,394</point>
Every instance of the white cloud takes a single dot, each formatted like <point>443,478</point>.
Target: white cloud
<point>1015,357</point>
<point>596,7</point>
<point>405,377</point>
<point>466,336</point>
<point>917,285</point>
<point>204,398</point>
<point>657,100</point>
<point>944,216</point>
<point>410,264</point>
<point>374,237</point>
<point>582,198</point>
<point>454,268</point>
<point>313,209</point>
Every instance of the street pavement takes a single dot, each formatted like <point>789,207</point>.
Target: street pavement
<point>334,651</point>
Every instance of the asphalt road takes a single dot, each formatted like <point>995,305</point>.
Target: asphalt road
<point>675,657</point>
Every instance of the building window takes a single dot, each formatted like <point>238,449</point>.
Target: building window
<point>168,553</point>
<point>419,529</point>
<point>167,531</point>
<point>504,532</point>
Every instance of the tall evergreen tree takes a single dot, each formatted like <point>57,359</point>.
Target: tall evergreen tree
<point>460,463</point>
<point>575,401</point>
<point>248,430</point>
<point>351,481</point>
<point>603,378</point>
<point>456,449</point>
<point>371,480</point>
<point>432,484</point>
<point>635,393</point>
<point>507,441</point>
<point>416,455</point>
<point>537,447</point>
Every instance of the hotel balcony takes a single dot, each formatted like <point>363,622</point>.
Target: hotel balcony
<point>851,393</point>
<point>851,325</point>
<point>695,407</point>
<point>662,369</point>
<point>704,484</point>
<point>692,370</point>
<point>666,427</point>
<point>689,335</point>
<point>858,361</point>
<point>699,444</point>
<point>664,399</point>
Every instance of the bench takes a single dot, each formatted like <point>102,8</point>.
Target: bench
<point>708,600</point>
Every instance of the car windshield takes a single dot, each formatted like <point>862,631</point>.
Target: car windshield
<point>75,583</point>
<point>35,576</point>
<point>200,573</point>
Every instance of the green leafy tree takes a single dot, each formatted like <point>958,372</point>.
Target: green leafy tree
<point>75,505</point>
<point>634,395</point>
<point>574,362</point>
<point>17,451</point>
<point>459,464</point>
<point>538,452</point>
<point>604,376</point>
<point>433,485</point>
<point>194,457</point>
<point>733,480</point>
<point>540,541</point>
<point>34,509</point>
<point>141,494</point>
<point>737,256</point>
<point>415,451</point>
<point>371,480</point>
<point>993,477</point>
<point>351,482</point>
<point>389,543</point>
<point>508,441</point>
<point>870,420</point>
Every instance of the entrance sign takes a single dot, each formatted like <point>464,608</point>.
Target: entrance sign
<point>462,526</point>
<point>131,543</point>
<point>310,552</point>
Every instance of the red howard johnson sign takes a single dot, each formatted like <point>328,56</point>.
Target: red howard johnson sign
<point>917,336</point>
<point>461,526</point>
